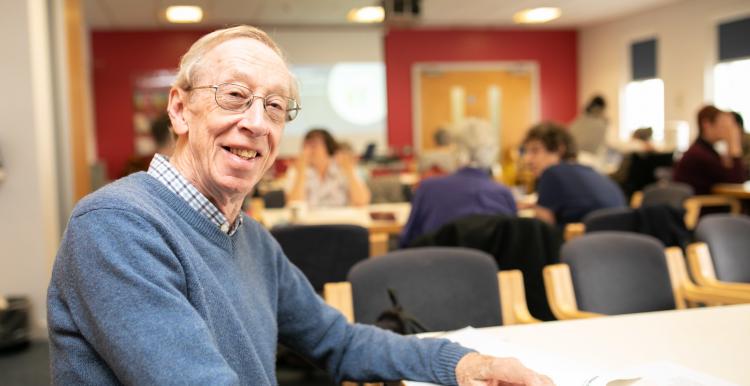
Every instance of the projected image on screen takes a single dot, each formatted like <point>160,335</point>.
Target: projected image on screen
<point>346,98</point>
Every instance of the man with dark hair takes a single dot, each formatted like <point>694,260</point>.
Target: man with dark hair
<point>161,131</point>
<point>715,156</point>
<point>164,140</point>
<point>567,191</point>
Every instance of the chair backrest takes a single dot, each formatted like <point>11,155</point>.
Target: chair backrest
<point>618,273</point>
<point>672,194</point>
<point>611,219</point>
<point>274,199</point>
<point>324,253</point>
<point>444,288</point>
<point>728,239</point>
<point>526,244</point>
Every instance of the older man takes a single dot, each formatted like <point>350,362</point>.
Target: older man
<point>470,190</point>
<point>160,280</point>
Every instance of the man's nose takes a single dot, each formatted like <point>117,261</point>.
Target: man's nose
<point>255,119</point>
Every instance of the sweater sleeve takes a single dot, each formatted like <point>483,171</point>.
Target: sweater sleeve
<point>118,309</point>
<point>356,352</point>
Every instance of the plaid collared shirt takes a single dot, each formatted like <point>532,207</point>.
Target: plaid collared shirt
<point>164,172</point>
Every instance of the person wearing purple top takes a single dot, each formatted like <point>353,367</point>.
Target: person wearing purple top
<point>470,190</point>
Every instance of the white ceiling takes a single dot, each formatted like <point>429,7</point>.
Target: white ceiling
<point>135,14</point>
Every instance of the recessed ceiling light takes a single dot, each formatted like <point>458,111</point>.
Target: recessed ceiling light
<point>184,14</point>
<point>536,15</point>
<point>366,15</point>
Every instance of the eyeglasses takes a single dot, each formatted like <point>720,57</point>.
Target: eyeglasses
<point>234,97</point>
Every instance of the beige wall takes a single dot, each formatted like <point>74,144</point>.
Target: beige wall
<point>686,52</point>
<point>327,45</point>
<point>28,197</point>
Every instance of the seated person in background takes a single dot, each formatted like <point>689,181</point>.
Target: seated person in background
<point>567,191</point>
<point>324,175</point>
<point>715,156</point>
<point>640,141</point>
<point>440,159</point>
<point>164,138</point>
<point>590,128</point>
<point>745,141</point>
<point>470,190</point>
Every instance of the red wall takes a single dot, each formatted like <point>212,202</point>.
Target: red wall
<point>118,56</point>
<point>554,51</point>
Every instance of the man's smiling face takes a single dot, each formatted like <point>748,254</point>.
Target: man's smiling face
<point>227,151</point>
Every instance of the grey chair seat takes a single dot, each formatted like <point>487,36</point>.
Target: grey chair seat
<point>444,288</point>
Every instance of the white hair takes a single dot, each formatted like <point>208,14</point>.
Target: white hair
<point>190,61</point>
<point>476,143</point>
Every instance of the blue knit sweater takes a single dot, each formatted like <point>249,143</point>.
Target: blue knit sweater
<point>146,291</point>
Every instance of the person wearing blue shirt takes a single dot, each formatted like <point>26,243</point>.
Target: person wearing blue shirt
<point>470,190</point>
<point>567,191</point>
<point>160,279</point>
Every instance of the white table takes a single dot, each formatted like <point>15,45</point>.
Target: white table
<point>345,215</point>
<point>379,229</point>
<point>713,340</point>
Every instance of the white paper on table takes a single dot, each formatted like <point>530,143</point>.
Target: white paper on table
<point>567,372</point>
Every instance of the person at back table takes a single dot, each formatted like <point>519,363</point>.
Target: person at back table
<point>164,138</point>
<point>470,190</point>
<point>715,156</point>
<point>567,191</point>
<point>160,279</point>
<point>325,175</point>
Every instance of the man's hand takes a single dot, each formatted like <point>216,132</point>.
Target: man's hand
<point>476,369</point>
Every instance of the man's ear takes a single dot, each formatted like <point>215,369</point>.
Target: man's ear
<point>177,108</point>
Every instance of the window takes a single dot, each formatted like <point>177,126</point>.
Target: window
<point>643,106</point>
<point>643,102</point>
<point>731,85</point>
<point>347,98</point>
<point>732,74</point>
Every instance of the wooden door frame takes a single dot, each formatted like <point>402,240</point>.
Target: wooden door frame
<point>416,84</point>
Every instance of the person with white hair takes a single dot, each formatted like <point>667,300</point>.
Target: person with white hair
<point>470,190</point>
<point>160,279</point>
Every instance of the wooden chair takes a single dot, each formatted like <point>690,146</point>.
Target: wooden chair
<point>630,269</point>
<point>694,204</point>
<point>720,259</point>
<point>702,268</point>
<point>692,294</point>
<point>681,196</point>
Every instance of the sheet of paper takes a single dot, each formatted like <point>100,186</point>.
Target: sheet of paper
<point>567,372</point>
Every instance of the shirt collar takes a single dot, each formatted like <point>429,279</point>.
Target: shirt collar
<point>164,172</point>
